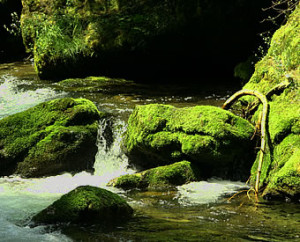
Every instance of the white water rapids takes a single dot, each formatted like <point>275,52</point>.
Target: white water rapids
<point>21,198</point>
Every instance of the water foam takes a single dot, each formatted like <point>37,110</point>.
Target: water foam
<point>14,99</point>
<point>205,192</point>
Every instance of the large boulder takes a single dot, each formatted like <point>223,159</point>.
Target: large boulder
<point>138,39</point>
<point>280,175</point>
<point>86,204</point>
<point>161,177</point>
<point>218,141</point>
<point>50,138</point>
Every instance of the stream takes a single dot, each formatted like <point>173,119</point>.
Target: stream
<point>199,211</point>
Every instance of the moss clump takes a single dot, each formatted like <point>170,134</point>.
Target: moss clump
<point>52,137</point>
<point>99,84</point>
<point>67,37</point>
<point>282,59</point>
<point>175,174</point>
<point>280,173</point>
<point>284,175</point>
<point>208,136</point>
<point>72,38</point>
<point>86,204</point>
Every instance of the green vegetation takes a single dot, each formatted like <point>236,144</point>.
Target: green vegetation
<point>280,174</point>
<point>161,177</point>
<point>75,38</point>
<point>212,138</point>
<point>97,84</point>
<point>11,46</point>
<point>50,138</point>
<point>86,204</point>
<point>63,35</point>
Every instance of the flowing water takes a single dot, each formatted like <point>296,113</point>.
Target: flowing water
<point>199,211</point>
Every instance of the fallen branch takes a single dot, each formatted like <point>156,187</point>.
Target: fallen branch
<point>263,125</point>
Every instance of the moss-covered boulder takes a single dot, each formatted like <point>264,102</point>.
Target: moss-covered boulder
<point>161,177</point>
<point>50,138</point>
<point>218,141</point>
<point>280,172</point>
<point>138,38</point>
<point>86,204</point>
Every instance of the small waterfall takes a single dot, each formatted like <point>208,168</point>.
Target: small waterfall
<point>110,161</point>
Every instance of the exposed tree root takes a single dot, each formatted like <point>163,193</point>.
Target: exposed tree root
<point>262,122</point>
<point>237,193</point>
<point>275,90</point>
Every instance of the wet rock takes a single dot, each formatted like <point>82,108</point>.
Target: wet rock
<point>281,167</point>
<point>218,141</point>
<point>86,204</point>
<point>53,137</point>
<point>98,84</point>
<point>162,177</point>
<point>138,39</point>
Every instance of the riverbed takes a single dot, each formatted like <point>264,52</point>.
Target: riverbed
<point>199,211</point>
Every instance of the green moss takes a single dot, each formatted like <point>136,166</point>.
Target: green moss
<point>284,118</point>
<point>175,174</point>
<point>279,172</point>
<point>71,38</point>
<point>203,134</point>
<point>285,178</point>
<point>282,58</point>
<point>64,34</point>
<point>47,138</point>
<point>86,204</point>
<point>97,84</point>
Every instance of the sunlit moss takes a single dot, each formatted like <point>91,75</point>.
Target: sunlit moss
<point>50,138</point>
<point>161,177</point>
<point>280,171</point>
<point>282,58</point>
<point>285,174</point>
<point>86,204</point>
<point>96,84</point>
<point>212,137</point>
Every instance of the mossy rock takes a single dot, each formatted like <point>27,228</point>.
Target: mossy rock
<point>53,137</point>
<point>284,177</point>
<point>86,205</point>
<point>136,38</point>
<point>214,139</point>
<point>161,177</point>
<point>98,84</point>
<point>280,170</point>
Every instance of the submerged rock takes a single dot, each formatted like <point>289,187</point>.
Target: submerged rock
<point>218,141</point>
<point>280,175</point>
<point>98,84</point>
<point>161,177</point>
<point>86,204</point>
<point>53,137</point>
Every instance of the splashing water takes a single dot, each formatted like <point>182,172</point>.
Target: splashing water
<point>111,162</point>
<point>205,192</point>
<point>14,99</point>
<point>21,198</point>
